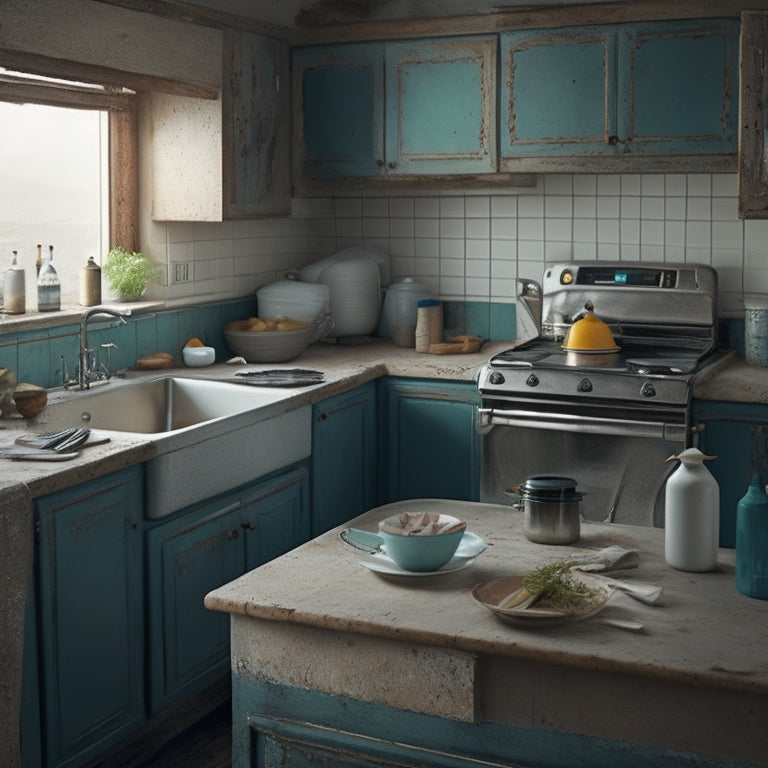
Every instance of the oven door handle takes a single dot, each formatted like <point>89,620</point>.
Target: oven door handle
<point>490,417</point>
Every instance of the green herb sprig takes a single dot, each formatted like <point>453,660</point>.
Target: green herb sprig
<point>554,587</point>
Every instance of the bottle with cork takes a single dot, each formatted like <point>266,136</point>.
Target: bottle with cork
<point>14,289</point>
<point>48,285</point>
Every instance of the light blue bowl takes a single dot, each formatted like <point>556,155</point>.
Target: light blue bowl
<point>420,553</point>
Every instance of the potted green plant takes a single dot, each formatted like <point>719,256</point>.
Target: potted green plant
<point>129,273</point>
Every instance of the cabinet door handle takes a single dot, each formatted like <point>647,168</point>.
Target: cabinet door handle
<point>322,416</point>
<point>613,140</point>
<point>379,163</point>
<point>234,534</point>
<point>391,165</point>
<point>249,526</point>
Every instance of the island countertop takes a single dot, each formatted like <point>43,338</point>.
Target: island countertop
<point>695,679</point>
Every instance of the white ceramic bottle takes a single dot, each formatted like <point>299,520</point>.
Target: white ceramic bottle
<point>692,514</point>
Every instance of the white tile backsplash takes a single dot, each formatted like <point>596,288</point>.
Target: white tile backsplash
<point>473,245</point>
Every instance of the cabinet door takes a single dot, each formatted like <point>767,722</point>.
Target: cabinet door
<point>256,147</point>
<point>275,517</point>
<point>187,558</point>
<point>735,434</point>
<point>678,87</point>
<point>441,106</point>
<point>433,447</point>
<point>344,458</point>
<point>339,91</point>
<point>91,616</point>
<point>560,88</point>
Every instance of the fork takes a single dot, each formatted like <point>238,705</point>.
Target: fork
<point>73,441</point>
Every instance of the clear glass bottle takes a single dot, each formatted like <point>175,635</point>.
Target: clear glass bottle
<point>48,286</point>
<point>14,289</point>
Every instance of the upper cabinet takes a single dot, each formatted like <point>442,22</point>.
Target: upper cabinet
<point>753,117</point>
<point>423,107</point>
<point>256,147</point>
<point>659,94</point>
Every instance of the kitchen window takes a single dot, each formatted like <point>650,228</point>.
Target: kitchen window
<point>68,174</point>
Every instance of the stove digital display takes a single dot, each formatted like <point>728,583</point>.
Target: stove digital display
<point>650,278</point>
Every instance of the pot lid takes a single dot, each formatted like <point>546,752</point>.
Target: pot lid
<point>550,488</point>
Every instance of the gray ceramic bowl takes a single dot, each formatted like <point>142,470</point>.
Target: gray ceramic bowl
<point>269,346</point>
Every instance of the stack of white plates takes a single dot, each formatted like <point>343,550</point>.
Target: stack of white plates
<point>353,277</point>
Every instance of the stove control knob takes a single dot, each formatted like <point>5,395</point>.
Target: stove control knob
<point>532,380</point>
<point>585,385</point>
<point>496,378</point>
<point>648,390</point>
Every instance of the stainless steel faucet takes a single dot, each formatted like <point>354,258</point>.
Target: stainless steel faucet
<point>84,373</point>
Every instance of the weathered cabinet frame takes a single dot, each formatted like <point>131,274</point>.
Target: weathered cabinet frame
<point>753,116</point>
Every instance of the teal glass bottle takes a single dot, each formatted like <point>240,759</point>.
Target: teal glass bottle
<point>752,541</point>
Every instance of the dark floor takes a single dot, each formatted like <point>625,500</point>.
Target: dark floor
<point>207,744</point>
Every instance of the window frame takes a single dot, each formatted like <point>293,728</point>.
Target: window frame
<point>120,105</point>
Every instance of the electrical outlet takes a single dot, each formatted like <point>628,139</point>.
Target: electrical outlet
<point>181,272</point>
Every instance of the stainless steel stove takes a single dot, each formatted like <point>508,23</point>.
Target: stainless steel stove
<point>624,411</point>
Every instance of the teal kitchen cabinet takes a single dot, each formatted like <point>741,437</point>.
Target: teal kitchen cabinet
<point>418,107</point>
<point>345,477</point>
<point>658,88</point>
<point>736,434</point>
<point>199,550</point>
<point>339,95</point>
<point>91,616</point>
<point>432,446</point>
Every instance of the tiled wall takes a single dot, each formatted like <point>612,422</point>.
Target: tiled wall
<point>474,245</point>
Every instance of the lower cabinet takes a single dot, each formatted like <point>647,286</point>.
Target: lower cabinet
<point>432,447</point>
<point>91,616</point>
<point>344,457</point>
<point>204,548</point>
<point>736,434</point>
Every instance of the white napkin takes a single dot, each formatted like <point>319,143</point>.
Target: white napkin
<point>613,558</point>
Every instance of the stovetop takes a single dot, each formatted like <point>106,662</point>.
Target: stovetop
<point>641,357</point>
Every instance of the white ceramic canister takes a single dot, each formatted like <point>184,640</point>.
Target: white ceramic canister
<point>14,289</point>
<point>692,514</point>
<point>401,308</point>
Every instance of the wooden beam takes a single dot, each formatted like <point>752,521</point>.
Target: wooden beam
<point>753,117</point>
<point>33,63</point>
<point>123,180</point>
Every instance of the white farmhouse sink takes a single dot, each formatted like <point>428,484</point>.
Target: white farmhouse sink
<point>210,436</point>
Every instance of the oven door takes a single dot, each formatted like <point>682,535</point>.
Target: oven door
<point>616,455</point>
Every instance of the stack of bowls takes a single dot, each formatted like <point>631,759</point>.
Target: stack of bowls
<point>308,302</point>
<point>353,278</point>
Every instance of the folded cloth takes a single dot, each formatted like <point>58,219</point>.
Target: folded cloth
<point>613,558</point>
<point>639,590</point>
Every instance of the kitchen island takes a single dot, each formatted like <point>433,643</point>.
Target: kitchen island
<point>335,664</point>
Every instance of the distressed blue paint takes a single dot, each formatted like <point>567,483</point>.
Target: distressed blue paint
<point>433,449</point>
<point>344,457</point>
<point>440,106</point>
<point>729,436</point>
<point>679,86</point>
<point>203,548</point>
<point>269,720</point>
<point>560,91</point>
<point>91,615</point>
<point>342,92</point>
<point>658,88</point>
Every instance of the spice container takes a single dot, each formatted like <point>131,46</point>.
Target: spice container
<point>692,514</point>
<point>752,541</point>
<point>90,284</point>
<point>14,289</point>
<point>400,307</point>
<point>429,324</point>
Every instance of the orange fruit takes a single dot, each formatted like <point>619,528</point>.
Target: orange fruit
<point>194,342</point>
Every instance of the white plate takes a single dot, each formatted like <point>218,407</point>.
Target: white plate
<point>469,548</point>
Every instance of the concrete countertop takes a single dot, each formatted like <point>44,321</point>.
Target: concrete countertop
<point>344,366</point>
<point>695,679</point>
